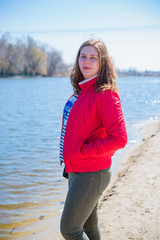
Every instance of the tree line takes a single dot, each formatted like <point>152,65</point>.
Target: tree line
<point>28,58</point>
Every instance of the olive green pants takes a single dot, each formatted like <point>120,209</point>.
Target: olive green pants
<point>79,219</point>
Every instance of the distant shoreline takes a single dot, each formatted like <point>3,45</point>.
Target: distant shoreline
<point>122,74</point>
<point>138,75</point>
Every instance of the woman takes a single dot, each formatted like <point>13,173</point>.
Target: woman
<point>93,129</point>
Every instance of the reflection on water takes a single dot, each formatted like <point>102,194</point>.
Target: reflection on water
<point>28,204</point>
<point>31,183</point>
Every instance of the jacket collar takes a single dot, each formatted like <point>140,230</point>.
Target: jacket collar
<point>87,83</point>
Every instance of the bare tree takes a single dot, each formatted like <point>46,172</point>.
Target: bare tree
<point>35,58</point>
<point>19,51</point>
<point>3,54</point>
<point>53,58</point>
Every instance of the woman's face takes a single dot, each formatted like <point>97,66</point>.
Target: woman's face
<point>89,61</point>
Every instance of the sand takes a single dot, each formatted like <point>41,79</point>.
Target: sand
<point>130,207</point>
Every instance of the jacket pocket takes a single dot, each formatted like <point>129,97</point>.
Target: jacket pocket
<point>72,150</point>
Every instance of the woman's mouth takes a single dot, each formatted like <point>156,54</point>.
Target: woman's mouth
<point>86,68</point>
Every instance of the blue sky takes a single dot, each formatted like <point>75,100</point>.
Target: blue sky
<point>130,29</point>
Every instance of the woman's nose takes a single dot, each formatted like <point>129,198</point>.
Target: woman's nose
<point>86,60</point>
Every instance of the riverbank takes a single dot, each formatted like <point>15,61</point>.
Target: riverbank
<point>130,209</point>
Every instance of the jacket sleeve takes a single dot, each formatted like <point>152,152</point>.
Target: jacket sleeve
<point>111,116</point>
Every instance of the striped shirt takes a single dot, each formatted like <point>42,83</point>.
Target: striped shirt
<point>67,108</point>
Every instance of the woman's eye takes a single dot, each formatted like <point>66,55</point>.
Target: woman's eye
<point>82,56</point>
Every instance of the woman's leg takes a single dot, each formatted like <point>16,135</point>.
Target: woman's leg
<point>79,211</point>
<point>91,227</point>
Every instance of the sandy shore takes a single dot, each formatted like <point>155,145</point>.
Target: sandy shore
<point>130,207</point>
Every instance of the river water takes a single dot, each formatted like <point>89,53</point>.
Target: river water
<point>32,189</point>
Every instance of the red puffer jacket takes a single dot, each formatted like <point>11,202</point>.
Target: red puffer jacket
<point>94,131</point>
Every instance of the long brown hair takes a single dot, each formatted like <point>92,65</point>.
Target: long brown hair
<point>106,75</point>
